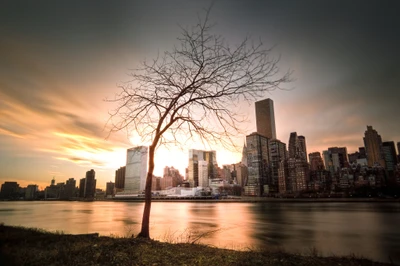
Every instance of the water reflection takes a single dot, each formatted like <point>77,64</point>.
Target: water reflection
<point>364,229</point>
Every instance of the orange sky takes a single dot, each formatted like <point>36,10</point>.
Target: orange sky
<point>60,61</point>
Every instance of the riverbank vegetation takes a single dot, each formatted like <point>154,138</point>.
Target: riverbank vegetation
<point>24,246</point>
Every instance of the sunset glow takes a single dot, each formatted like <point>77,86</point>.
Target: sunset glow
<point>56,72</point>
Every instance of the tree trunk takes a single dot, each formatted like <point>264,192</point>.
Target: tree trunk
<point>145,231</point>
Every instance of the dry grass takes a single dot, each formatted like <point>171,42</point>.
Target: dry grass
<point>21,246</point>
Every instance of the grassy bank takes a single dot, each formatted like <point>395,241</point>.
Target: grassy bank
<point>22,246</point>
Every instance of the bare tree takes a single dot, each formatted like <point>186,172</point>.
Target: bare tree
<point>193,91</point>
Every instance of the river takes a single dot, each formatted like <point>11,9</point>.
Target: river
<point>370,230</point>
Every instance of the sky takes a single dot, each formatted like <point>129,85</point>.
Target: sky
<point>61,60</point>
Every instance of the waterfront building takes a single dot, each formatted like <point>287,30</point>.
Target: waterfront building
<point>203,174</point>
<point>9,190</point>
<point>90,184</point>
<point>241,174</point>
<point>265,118</point>
<point>196,156</point>
<point>156,183</point>
<point>257,164</point>
<point>298,175</point>
<point>120,179</point>
<point>87,185</point>
<point>31,192</point>
<point>136,169</point>
<point>373,147</point>
<point>82,182</point>
<point>283,174</point>
<point>110,189</point>
<point>171,178</point>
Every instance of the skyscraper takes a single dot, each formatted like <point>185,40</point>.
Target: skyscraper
<point>277,153</point>
<point>90,184</point>
<point>293,145</point>
<point>257,163</point>
<point>136,169</point>
<point>316,162</point>
<point>265,118</point>
<point>204,160</point>
<point>297,147</point>
<point>87,185</point>
<point>389,155</point>
<point>302,150</point>
<point>373,147</point>
<point>120,179</point>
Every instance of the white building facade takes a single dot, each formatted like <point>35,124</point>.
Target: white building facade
<point>136,169</point>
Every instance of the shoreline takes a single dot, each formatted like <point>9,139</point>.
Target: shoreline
<point>30,246</point>
<point>231,200</point>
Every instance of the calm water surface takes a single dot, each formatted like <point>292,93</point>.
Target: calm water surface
<point>370,230</point>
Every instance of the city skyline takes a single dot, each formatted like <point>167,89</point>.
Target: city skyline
<point>57,69</point>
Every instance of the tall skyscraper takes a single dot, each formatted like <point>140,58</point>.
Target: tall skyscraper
<point>277,153</point>
<point>293,145</point>
<point>302,150</point>
<point>201,160</point>
<point>389,155</point>
<point>265,118</point>
<point>87,185</point>
<point>90,184</point>
<point>297,147</point>
<point>258,164</point>
<point>373,147</point>
<point>136,169</point>
<point>120,179</point>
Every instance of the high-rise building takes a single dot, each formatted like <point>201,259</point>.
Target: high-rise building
<point>90,184</point>
<point>136,169</point>
<point>9,190</point>
<point>110,189</point>
<point>258,164</point>
<point>297,147</point>
<point>389,155</point>
<point>293,145</point>
<point>68,190</point>
<point>31,192</point>
<point>338,157</point>
<point>120,179</point>
<point>82,183</point>
<point>244,155</point>
<point>373,147</point>
<point>87,185</point>
<point>171,178</point>
<point>197,158</point>
<point>316,162</point>
<point>241,174</point>
<point>302,150</point>
<point>277,153</point>
<point>265,118</point>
